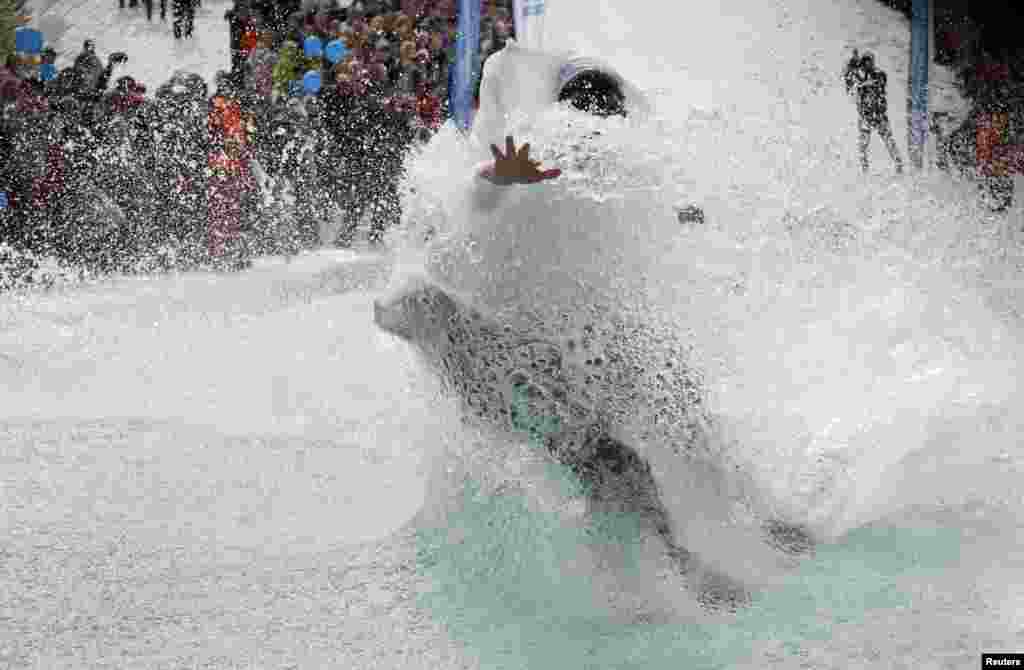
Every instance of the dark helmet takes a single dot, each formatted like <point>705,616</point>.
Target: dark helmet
<point>89,45</point>
<point>224,85</point>
<point>195,84</point>
<point>594,92</point>
<point>868,59</point>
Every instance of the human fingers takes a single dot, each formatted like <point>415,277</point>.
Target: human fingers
<point>510,147</point>
<point>544,176</point>
<point>524,152</point>
<point>496,152</point>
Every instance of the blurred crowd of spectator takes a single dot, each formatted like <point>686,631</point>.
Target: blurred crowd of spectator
<point>108,175</point>
<point>184,14</point>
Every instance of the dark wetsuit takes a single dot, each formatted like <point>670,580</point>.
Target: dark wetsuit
<point>869,84</point>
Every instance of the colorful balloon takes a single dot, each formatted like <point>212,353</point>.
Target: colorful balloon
<point>336,51</point>
<point>311,82</point>
<point>312,47</point>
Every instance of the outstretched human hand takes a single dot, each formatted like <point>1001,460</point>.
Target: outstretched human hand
<point>515,167</point>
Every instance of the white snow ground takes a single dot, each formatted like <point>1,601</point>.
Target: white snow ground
<point>153,53</point>
<point>188,465</point>
<point>205,471</point>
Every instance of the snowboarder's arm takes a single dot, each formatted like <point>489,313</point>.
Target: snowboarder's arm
<point>515,166</point>
<point>115,59</point>
<point>512,167</point>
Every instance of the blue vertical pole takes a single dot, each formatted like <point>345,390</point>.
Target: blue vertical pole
<point>919,64</point>
<point>467,59</point>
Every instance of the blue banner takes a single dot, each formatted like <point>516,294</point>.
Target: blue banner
<point>918,82</point>
<point>28,41</point>
<point>467,64</point>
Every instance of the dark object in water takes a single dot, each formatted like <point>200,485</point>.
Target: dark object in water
<point>792,540</point>
<point>519,380</point>
<point>691,214</point>
<point>594,92</point>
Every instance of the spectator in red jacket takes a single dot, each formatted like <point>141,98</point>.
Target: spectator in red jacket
<point>128,96</point>
<point>231,181</point>
<point>428,106</point>
<point>250,37</point>
<point>990,154</point>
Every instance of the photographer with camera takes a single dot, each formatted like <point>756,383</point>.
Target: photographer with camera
<point>865,80</point>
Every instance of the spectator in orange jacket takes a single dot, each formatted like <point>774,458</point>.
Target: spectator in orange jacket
<point>990,134</point>
<point>993,169</point>
<point>225,115</point>
<point>249,39</point>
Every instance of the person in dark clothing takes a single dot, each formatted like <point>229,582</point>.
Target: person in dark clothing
<point>868,83</point>
<point>12,185</point>
<point>89,81</point>
<point>942,141</point>
<point>149,10</point>
<point>184,18</point>
<point>179,145</point>
<point>88,66</point>
<point>278,19</point>
<point>594,92</point>
<point>236,18</point>
<point>263,10</point>
<point>373,142</point>
<point>115,59</point>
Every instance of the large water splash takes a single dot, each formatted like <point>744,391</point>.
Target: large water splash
<point>832,340</point>
<point>267,353</point>
<point>858,339</point>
